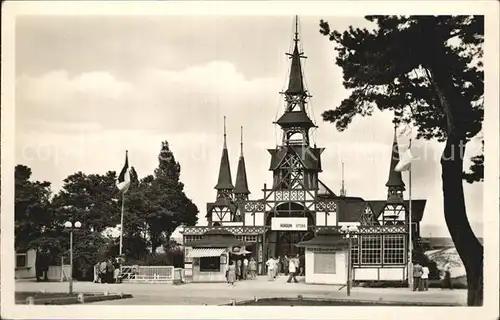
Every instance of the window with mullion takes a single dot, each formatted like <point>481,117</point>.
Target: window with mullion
<point>371,249</point>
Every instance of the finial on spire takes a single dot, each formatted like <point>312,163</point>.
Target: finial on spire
<point>241,140</point>
<point>342,190</point>
<point>225,142</point>
<point>296,38</point>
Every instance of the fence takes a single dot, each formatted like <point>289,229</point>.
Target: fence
<point>151,274</point>
<point>59,273</point>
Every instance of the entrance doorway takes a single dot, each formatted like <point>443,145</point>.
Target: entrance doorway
<point>283,243</point>
<point>287,241</point>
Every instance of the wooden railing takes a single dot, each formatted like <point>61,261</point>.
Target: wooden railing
<point>149,274</point>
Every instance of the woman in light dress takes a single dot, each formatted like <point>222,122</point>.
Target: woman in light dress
<point>231,273</point>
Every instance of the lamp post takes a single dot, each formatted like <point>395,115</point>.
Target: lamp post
<point>349,233</point>
<point>71,226</point>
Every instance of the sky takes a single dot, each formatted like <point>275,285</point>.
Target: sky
<point>90,87</point>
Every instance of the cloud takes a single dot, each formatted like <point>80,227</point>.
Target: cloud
<point>145,102</point>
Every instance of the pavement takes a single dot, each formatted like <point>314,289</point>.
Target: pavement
<point>222,293</point>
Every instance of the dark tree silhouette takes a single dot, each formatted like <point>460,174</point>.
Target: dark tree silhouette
<point>428,71</point>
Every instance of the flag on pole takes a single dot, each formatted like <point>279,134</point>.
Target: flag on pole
<point>123,182</point>
<point>404,163</point>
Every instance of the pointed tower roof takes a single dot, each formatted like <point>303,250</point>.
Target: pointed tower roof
<point>296,117</point>
<point>225,181</point>
<point>241,184</point>
<point>296,81</point>
<point>395,179</point>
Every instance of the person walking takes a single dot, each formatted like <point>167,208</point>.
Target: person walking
<point>102,272</point>
<point>417,277</point>
<point>271,266</point>
<point>110,270</point>
<point>116,270</point>
<point>302,265</point>
<point>278,267</point>
<point>41,265</point>
<point>96,273</point>
<point>238,270</point>
<point>292,270</point>
<point>231,273</point>
<point>245,268</point>
<point>252,268</point>
<point>425,278</point>
<point>286,262</point>
<point>447,277</point>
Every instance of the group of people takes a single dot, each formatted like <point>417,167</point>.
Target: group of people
<point>290,266</point>
<point>241,269</point>
<point>421,277</point>
<point>107,271</point>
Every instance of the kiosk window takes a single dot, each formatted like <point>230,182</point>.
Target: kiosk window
<point>324,262</point>
<point>210,264</point>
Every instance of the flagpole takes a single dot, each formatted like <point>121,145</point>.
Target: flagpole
<point>121,224</point>
<point>410,245</point>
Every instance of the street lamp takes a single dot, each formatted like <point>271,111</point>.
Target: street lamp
<point>349,233</point>
<point>71,226</point>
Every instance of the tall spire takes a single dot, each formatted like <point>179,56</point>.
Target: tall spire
<point>241,185</point>
<point>241,142</point>
<point>224,182</point>
<point>225,136</point>
<point>295,122</point>
<point>395,182</point>
<point>296,81</point>
<point>342,189</point>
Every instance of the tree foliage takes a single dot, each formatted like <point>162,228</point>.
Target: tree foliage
<point>91,199</point>
<point>167,205</point>
<point>154,207</point>
<point>32,209</point>
<point>389,68</point>
<point>427,70</point>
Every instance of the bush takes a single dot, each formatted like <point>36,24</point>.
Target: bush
<point>174,257</point>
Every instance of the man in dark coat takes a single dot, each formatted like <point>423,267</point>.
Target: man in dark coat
<point>41,265</point>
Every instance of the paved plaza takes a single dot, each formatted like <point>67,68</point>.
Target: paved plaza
<point>221,293</point>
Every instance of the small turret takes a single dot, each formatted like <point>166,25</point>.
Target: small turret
<point>395,185</point>
<point>241,191</point>
<point>224,185</point>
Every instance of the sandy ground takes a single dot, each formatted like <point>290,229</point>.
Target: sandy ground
<point>221,293</point>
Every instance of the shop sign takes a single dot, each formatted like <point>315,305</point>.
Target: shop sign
<point>288,224</point>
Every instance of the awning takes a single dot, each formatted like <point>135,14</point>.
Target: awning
<point>242,252</point>
<point>206,252</point>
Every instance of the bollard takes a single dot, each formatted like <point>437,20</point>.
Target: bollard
<point>30,300</point>
<point>80,298</point>
<point>255,299</point>
<point>233,302</point>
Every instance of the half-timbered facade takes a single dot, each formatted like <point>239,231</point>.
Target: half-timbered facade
<point>298,203</point>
